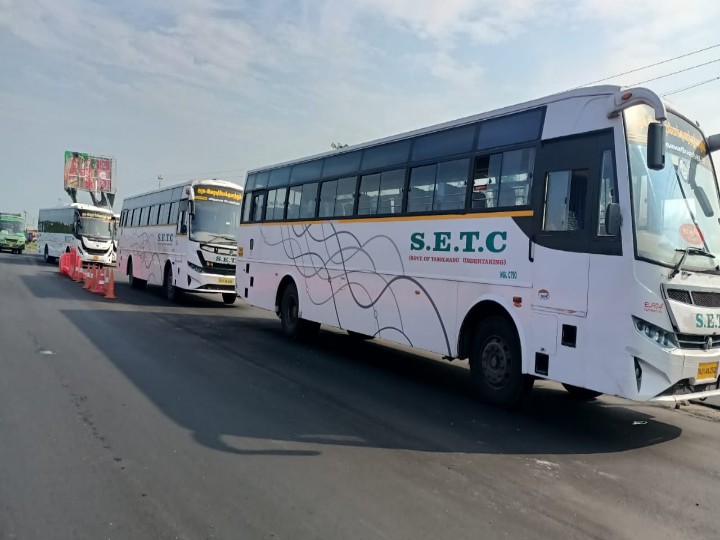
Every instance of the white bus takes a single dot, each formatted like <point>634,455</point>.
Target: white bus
<point>86,227</point>
<point>182,238</point>
<point>573,238</point>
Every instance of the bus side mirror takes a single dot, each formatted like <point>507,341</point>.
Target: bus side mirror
<point>613,219</point>
<point>713,143</point>
<point>183,228</point>
<point>656,146</point>
<point>192,207</point>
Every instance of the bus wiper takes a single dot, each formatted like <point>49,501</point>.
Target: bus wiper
<point>215,237</point>
<point>685,252</point>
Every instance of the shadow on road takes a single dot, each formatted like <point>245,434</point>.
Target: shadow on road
<point>222,376</point>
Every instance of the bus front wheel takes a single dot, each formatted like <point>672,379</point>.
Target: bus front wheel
<point>496,364</point>
<point>172,293</point>
<point>135,283</point>
<point>294,327</point>
<point>47,257</point>
<point>229,298</point>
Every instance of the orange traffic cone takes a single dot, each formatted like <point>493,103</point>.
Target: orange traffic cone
<point>110,293</point>
<point>61,266</point>
<point>89,276</point>
<point>78,273</point>
<point>99,286</point>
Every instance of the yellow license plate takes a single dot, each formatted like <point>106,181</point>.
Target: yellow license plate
<point>95,258</point>
<point>707,370</point>
<point>226,281</point>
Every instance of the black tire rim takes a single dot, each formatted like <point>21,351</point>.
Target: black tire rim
<point>496,362</point>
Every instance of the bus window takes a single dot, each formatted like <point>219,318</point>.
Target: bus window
<point>565,195</point>
<point>293,204</point>
<point>390,196</point>
<point>307,201</point>
<point>345,197</point>
<point>451,185</point>
<point>328,192</point>
<point>485,181</point>
<point>369,191</point>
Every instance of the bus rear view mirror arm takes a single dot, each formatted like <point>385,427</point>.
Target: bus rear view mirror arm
<point>613,219</point>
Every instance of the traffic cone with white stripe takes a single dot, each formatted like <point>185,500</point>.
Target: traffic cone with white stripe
<point>110,293</point>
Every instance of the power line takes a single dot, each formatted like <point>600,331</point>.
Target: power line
<point>678,71</point>
<point>691,86</point>
<point>651,65</point>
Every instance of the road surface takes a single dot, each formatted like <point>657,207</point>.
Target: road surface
<point>135,419</point>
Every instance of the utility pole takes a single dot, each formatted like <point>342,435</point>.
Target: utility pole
<point>160,179</point>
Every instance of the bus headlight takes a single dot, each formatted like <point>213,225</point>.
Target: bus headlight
<point>661,337</point>
<point>195,267</point>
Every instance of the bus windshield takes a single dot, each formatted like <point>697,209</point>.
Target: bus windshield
<point>217,214</point>
<point>12,226</point>
<point>675,208</point>
<point>94,225</point>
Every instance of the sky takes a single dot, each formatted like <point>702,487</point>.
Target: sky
<point>210,88</point>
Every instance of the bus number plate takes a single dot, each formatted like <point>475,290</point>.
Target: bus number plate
<point>226,281</point>
<point>707,370</point>
<point>95,258</point>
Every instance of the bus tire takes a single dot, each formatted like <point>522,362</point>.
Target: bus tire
<point>135,283</point>
<point>294,327</point>
<point>496,364</point>
<point>229,298</point>
<point>172,293</point>
<point>581,394</point>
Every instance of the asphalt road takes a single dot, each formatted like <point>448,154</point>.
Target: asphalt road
<point>140,419</point>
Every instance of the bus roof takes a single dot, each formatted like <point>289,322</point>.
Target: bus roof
<point>589,91</point>
<point>79,206</point>
<point>209,182</point>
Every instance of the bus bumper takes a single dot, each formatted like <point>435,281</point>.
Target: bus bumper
<point>210,283</point>
<point>678,398</point>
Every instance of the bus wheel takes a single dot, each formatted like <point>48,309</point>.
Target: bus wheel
<point>496,364</point>
<point>135,283</point>
<point>581,394</point>
<point>294,327</point>
<point>172,293</point>
<point>229,298</point>
<point>46,256</point>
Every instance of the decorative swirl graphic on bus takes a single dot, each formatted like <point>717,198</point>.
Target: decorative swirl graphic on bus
<point>362,281</point>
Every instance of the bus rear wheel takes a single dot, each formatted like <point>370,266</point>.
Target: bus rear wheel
<point>496,364</point>
<point>581,394</point>
<point>172,293</point>
<point>135,283</point>
<point>229,298</point>
<point>294,327</point>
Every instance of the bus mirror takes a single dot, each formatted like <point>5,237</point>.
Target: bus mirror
<point>192,207</point>
<point>713,143</point>
<point>183,228</point>
<point>613,219</point>
<point>656,146</point>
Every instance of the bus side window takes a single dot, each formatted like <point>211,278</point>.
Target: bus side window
<point>565,197</point>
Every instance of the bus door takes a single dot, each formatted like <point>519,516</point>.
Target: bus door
<point>567,171</point>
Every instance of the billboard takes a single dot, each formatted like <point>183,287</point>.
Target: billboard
<point>89,173</point>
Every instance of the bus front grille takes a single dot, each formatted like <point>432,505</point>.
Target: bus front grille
<point>697,342</point>
<point>695,298</point>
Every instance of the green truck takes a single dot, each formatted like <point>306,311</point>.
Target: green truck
<point>12,232</point>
